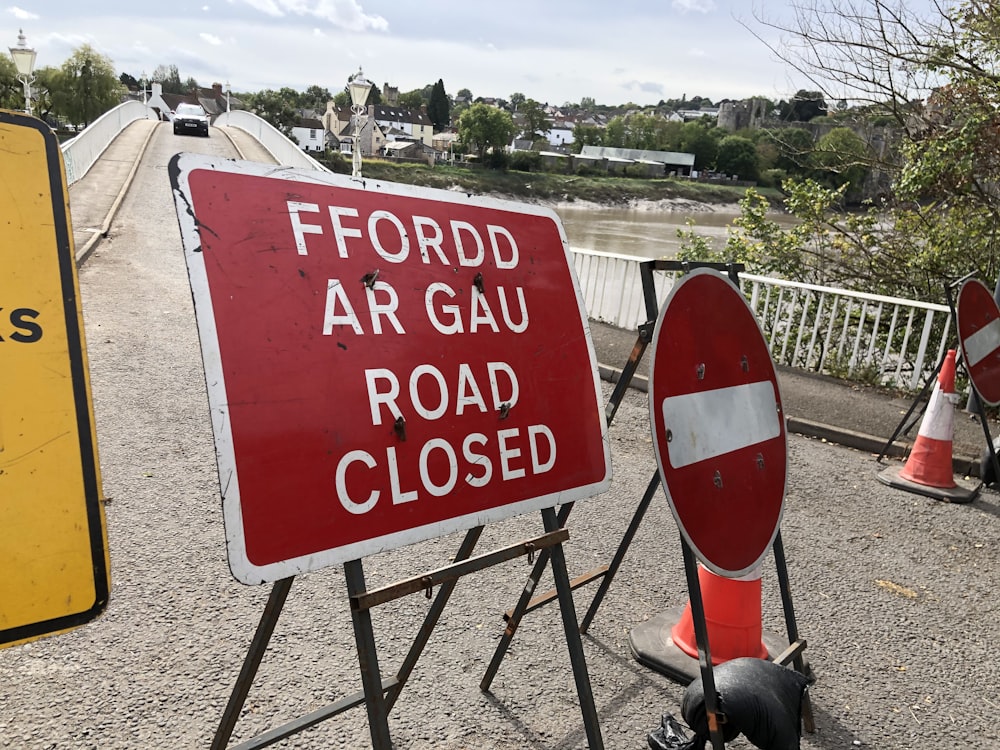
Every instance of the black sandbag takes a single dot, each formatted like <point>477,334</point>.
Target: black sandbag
<point>759,698</point>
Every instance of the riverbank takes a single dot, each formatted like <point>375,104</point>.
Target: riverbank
<point>556,190</point>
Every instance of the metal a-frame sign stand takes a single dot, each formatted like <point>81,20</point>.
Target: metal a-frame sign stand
<point>910,418</point>
<point>526,603</point>
<point>242,282</point>
<point>379,695</point>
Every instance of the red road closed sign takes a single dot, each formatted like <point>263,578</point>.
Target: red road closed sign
<point>979,334</point>
<point>385,364</point>
<point>718,431</point>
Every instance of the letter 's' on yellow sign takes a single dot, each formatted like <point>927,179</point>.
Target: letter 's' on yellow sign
<point>54,566</point>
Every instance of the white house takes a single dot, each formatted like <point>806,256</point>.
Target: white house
<point>309,134</point>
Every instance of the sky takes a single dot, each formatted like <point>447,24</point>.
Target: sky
<point>553,51</point>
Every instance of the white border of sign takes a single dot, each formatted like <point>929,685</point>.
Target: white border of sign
<point>244,570</point>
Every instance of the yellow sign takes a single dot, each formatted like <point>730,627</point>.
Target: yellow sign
<point>54,564</point>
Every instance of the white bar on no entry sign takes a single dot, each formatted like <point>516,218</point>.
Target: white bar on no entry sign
<point>711,423</point>
<point>982,343</point>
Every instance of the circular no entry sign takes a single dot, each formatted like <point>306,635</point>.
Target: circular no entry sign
<point>717,422</point>
<point>979,334</point>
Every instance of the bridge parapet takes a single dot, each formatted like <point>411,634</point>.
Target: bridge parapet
<point>284,151</point>
<point>81,152</point>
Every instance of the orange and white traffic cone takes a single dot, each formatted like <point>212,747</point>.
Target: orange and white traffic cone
<point>928,470</point>
<point>667,642</point>
<point>732,618</point>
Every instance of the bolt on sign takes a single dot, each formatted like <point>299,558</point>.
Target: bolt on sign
<point>718,429</point>
<point>54,567</point>
<point>385,364</point>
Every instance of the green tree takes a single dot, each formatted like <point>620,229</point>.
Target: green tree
<point>516,100</point>
<point>482,129</point>
<point>929,71</point>
<point>805,106</point>
<point>277,107</point>
<point>645,132</point>
<point>586,135</point>
<point>841,158</point>
<point>315,98</point>
<point>11,90</point>
<point>88,86</point>
<point>169,79</point>
<point>737,155</point>
<point>794,146</point>
<point>47,82</point>
<point>439,108</point>
<point>699,139</point>
<point>411,99</point>
<point>615,132</point>
<point>932,72</point>
<point>536,122</point>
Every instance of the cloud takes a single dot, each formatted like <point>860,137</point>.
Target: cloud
<point>268,7</point>
<point>645,87</point>
<point>211,39</point>
<point>698,6</point>
<point>21,14</point>
<point>345,14</point>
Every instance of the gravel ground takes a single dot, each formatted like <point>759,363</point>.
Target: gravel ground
<point>895,593</point>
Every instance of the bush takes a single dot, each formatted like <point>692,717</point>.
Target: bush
<point>496,160</point>
<point>773,177</point>
<point>525,161</point>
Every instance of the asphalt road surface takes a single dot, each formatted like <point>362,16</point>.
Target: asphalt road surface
<point>896,594</point>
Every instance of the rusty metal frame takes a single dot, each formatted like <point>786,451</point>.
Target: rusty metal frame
<point>379,695</point>
<point>606,573</point>
<point>527,603</point>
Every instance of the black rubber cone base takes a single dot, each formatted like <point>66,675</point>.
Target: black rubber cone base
<point>652,646</point>
<point>962,493</point>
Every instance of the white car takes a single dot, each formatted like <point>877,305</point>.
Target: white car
<point>190,118</point>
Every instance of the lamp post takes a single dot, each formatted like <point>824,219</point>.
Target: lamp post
<point>359,88</point>
<point>228,89</point>
<point>24,60</point>
<point>143,81</point>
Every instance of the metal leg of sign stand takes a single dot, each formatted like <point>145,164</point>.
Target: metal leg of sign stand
<point>712,714</point>
<point>555,522</point>
<point>796,645</point>
<point>265,629</point>
<point>905,425</point>
<point>526,603</point>
<point>431,619</point>
<point>371,681</point>
<point>573,641</point>
<point>989,438</point>
<point>379,695</point>
<point>616,561</point>
<point>628,371</point>
<point>522,607</point>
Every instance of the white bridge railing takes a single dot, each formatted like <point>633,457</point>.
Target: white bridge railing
<point>885,340</point>
<point>80,153</point>
<point>277,143</point>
